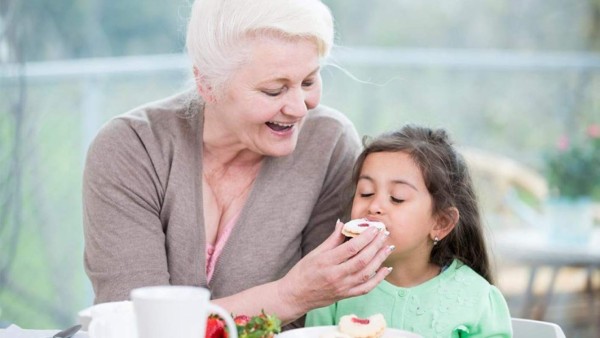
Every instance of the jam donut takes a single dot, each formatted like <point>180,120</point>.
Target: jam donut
<point>372,327</point>
<point>355,227</point>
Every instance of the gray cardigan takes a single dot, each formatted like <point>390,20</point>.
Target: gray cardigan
<point>142,200</point>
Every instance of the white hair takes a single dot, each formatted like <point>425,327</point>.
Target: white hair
<point>217,29</point>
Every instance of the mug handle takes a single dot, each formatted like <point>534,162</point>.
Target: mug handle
<point>226,316</point>
<point>97,328</point>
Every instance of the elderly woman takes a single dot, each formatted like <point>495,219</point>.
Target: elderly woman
<point>235,185</point>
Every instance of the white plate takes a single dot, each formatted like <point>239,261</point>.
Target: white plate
<point>316,331</point>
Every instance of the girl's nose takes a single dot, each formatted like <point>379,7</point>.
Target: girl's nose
<point>375,207</point>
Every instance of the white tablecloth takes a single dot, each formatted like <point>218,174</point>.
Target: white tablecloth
<point>14,331</point>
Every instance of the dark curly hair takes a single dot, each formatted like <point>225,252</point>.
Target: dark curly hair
<point>448,181</point>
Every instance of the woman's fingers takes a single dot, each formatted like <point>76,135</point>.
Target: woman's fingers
<point>369,259</point>
<point>367,273</point>
<point>360,269</point>
<point>354,246</point>
<point>338,269</point>
<point>371,283</point>
<point>333,241</point>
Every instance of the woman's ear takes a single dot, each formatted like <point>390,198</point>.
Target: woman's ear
<point>445,222</point>
<point>203,87</point>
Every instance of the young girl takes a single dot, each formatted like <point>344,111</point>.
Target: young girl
<point>415,182</point>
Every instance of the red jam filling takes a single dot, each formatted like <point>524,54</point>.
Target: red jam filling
<point>360,321</point>
<point>363,225</point>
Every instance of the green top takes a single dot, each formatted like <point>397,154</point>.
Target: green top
<point>456,303</point>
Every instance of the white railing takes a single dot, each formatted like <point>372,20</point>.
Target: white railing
<point>492,60</point>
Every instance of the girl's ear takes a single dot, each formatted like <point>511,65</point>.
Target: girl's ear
<point>445,222</point>
<point>203,87</point>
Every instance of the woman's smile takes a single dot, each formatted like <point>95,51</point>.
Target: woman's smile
<point>279,127</point>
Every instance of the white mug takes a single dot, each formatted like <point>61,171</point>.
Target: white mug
<point>112,320</point>
<point>175,311</point>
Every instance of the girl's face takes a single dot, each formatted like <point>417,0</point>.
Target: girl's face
<point>391,189</point>
<point>266,99</point>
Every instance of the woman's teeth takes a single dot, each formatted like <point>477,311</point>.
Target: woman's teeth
<point>277,126</point>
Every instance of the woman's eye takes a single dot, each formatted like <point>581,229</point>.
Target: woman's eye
<point>307,83</point>
<point>366,195</point>
<point>396,200</point>
<point>272,93</point>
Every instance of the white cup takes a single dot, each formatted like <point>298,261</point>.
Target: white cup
<point>112,320</point>
<point>175,311</point>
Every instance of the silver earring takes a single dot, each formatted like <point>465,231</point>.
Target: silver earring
<point>436,240</point>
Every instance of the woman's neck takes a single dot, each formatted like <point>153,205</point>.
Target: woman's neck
<point>223,149</point>
<point>238,168</point>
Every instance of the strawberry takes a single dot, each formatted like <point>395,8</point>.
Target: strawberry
<point>241,320</point>
<point>215,327</point>
<point>261,326</point>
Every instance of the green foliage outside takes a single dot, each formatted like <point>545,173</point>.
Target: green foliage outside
<point>573,167</point>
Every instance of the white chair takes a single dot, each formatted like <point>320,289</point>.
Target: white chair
<point>527,328</point>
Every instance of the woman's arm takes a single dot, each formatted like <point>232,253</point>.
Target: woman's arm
<point>333,271</point>
<point>124,237</point>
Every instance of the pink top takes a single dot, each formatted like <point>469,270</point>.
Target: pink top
<point>214,250</point>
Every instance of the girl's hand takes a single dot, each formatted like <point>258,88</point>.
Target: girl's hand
<point>336,270</point>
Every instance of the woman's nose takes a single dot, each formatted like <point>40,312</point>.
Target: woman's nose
<point>297,103</point>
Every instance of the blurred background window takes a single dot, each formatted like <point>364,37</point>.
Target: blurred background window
<point>513,81</point>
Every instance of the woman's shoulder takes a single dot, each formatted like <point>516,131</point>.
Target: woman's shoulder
<point>325,125</point>
<point>326,116</point>
<point>165,111</point>
<point>155,129</point>
<point>167,116</point>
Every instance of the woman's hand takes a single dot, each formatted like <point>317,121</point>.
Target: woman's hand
<point>333,271</point>
<point>336,270</point>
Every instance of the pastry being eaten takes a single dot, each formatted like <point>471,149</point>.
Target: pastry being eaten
<point>356,227</point>
<point>372,327</point>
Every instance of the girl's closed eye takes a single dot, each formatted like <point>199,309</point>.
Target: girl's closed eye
<point>366,194</point>
<point>396,200</point>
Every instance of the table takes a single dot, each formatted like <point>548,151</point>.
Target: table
<point>14,331</point>
<point>534,247</point>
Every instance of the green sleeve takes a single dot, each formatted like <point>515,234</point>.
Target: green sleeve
<point>321,316</point>
<point>495,320</point>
